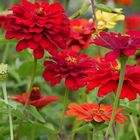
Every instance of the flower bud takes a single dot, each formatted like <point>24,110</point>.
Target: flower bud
<point>3,72</point>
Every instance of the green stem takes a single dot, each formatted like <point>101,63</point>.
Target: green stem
<point>9,111</point>
<point>134,128</point>
<point>65,106</point>
<point>6,50</point>
<point>31,82</point>
<point>123,60</point>
<point>94,133</point>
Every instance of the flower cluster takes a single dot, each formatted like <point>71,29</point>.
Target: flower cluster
<point>36,99</point>
<point>67,64</point>
<point>95,112</point>
<point>39,26</point>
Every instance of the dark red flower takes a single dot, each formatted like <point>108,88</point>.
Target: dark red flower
<point>107,77</point>
<point>132,22</point>
<point>2,20</point>
<point>95,112</point>
<point>120,44</point>
<point>68,65</point>
<point>40,26</point>
<point>80,34</point>
<point>36,98</point>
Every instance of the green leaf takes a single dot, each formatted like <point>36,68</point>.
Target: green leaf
<point>80,12</point>
<point>25,68</point>
<point>34,112</point>
<point>109,9</point>
<point>84,129</point>
<point>131,111</point>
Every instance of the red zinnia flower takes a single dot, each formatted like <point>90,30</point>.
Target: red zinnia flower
<point>95,112</point>
<point>106,78</point>
<point>40,26</point>
<point>132,22</point>
<point>120,45</point>
<point>80,34</point>
<point>68,65</point>
<point>36,98</point>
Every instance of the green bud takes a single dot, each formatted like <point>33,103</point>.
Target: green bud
<point>3,72</point>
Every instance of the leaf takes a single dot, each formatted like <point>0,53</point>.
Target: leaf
<point>130,111</point>
<point>80,12</point>
<point>34,112</point>
<point>44,126</point>
<point>83,129</point>
<point>25,68</point>
<point>109,9</point>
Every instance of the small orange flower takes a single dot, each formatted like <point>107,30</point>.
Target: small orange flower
<point>95,112</point>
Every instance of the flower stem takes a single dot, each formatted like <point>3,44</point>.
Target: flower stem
<point>31,82</point>
<point>5,53</point>
<point>134,128</point>
<point>9,111</point>
<point>65,106</point>
<point>123,60</point>
<point>94,134</point>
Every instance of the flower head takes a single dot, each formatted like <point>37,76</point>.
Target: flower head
<point>106,20</point>
<point>95,112</point>
<point>68,65</point>
<point>39,26</point>
<point>106,78</point>
<point>120,44</point>
<point>80,34</point>
<point>36,98</point>
<point>3,72</point>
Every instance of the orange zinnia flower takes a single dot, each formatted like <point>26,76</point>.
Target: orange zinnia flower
<point>95,112</point>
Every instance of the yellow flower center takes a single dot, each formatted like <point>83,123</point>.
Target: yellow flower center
<point>39,10</point>
<point>116,68</point>
<point>35,88</point>
<point>71,60</point>
<point>77,28</point>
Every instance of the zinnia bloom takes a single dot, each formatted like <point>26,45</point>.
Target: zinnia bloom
<point>80,34</point>
<point>106,78</point>
<point>39,26</point>
<point>95,112</point>
<point>124,2</point>
<point>36,98</point>
<point>120,44</point>
<point>68,65</point>
<point>106,20</point>
<point>132,22</point>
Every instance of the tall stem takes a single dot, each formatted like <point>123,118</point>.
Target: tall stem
<point>31,82</point>
<point>121,79</point>
<point>65,106</point>
<point>5,53</point>
<point>9,111</point>
<point>134,128</point>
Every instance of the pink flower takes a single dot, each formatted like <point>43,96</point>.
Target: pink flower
<point>120,44</point>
